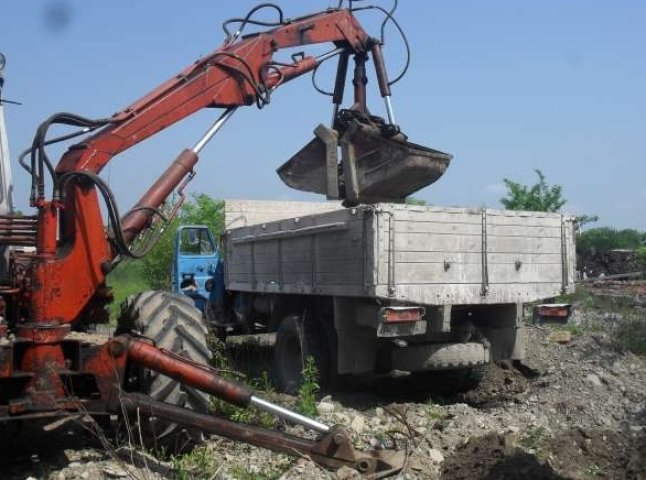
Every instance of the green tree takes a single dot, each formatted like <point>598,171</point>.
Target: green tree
<point>606,238</point>
<point>200,209</point>
<point>539,197</point>
<point>415,201</point>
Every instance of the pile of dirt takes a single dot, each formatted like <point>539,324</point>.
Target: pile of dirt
<point>608,262</point>
<point>575,410</point>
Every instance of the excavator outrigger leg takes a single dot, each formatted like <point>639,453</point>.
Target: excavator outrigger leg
<point>333,449</point>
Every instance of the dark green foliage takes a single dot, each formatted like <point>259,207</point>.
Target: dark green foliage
<point>199,210</point>
<point>415,201</point>
<point>539,197</point>
<point>605,238</point>
<point>306,402</point>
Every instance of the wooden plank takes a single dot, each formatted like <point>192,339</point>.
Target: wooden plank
<point>523,245</point>
<point>530,231</point>
<point>458,216</point>
<point>464,294</point>
<point>427,273</point>
<point>471,257</point>
<point>416,242</point>
<point>443,228</point>
<point>523,219</point>
<point>239,213</point>
<point>434,273</point>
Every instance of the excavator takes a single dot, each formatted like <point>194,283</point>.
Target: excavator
<point>59,258</point>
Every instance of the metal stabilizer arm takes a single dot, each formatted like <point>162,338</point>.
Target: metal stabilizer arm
<point>333,449</point>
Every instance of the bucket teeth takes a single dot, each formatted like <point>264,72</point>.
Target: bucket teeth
<point>373,167</point>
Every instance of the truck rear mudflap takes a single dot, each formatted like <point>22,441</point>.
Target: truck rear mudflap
<point>439,356</point>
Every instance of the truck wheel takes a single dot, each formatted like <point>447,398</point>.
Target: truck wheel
<point>449,382</point>
<point>295,341</point>
<point>174,324</point>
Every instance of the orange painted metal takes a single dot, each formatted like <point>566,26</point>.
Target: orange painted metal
<point>68,271</point>
<point>45,370</point>
<point>191,374</point>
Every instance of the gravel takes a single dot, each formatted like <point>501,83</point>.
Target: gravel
<point>574,409</point>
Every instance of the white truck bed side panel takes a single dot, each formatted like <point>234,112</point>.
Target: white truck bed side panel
<point>457,255</point>
<point>416,254</point>
<point>319,254</point>
<point>242,213</point>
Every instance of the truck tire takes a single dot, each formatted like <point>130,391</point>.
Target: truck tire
<point>440,356</point>
<point>447,369</point>
<point>295,341</point>
<point>174,324</point>
<point>449,382</point>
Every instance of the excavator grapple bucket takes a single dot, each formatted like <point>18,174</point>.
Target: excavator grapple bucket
<point>373,167</point>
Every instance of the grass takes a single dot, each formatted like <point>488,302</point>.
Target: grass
<point>197,464</point>
<point>126,279</point>
<point>568,327</point>
<point>306,402</point>
<point>435,411</point>
<point>629,329</point>
<point>534,440</point>
<point>242,473</point>
<point>584,300</point>
<point>630,333</point>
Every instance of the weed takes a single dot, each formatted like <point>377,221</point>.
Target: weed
<point>306,402</point>
<point>568,327</point>
<point>533,437</point>
<point>241,473</point>
<point>630,333</point>
<point>248,415</point>
<point>435,412</point>
<point>126,279</point>
<point>198,464</point>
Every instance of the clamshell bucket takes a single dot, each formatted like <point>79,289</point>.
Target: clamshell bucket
<point>373,167</point>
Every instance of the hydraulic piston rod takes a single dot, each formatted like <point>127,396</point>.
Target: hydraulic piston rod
<point>208,380</point>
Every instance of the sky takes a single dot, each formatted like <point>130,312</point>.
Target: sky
<point>506,87</point>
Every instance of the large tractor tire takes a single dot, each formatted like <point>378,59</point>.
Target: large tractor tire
<point>295,341</point>
<point>174,324</point>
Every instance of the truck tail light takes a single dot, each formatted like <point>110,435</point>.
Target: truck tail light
<point>402,314</point>
<point>556,311</point>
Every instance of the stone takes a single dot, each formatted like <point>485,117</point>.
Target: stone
<point>435,456</point>
<point>593,379</point>
<point>347,473</point>
<point>325,407</point>
<point>115,472</point>
<point>358,424</point>
<point>561,336</point>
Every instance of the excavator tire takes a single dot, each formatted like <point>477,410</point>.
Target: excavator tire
<point>174,324</point>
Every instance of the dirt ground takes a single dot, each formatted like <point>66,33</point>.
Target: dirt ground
<point>573,410</point>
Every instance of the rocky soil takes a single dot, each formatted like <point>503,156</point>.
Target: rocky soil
<point>576,409</point>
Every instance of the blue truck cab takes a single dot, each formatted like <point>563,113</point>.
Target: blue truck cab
<point>198,270</point>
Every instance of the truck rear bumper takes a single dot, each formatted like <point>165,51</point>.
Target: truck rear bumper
<point>439,356</point>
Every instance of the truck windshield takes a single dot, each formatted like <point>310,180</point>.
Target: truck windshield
<point>196,241</point>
